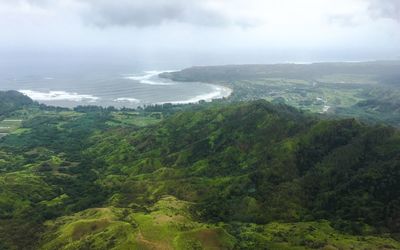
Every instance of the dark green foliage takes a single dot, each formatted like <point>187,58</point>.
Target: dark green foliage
<point>258,163</point>
<point>11,101</point>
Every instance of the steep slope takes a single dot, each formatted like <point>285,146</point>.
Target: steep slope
<point>258,163</point>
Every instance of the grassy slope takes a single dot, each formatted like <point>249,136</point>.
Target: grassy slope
<point>166,225</point>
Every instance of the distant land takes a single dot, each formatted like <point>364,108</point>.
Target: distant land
<point>367,90</point>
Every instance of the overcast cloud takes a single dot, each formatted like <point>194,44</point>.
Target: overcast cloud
<point>385,9</point>
<point>225,30</point>
<point>151,13</point>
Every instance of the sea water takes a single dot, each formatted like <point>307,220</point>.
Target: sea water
<point>113,87</point>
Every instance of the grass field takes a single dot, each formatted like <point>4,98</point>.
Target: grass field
<point>134,119</point>
<point>8,126</point>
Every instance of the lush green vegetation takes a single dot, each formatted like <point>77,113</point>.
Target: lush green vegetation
<point>251,175</point>
<point>368,90</point>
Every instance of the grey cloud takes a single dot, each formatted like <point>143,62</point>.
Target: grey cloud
<point>104,13</point>
<point>385,9</point>
<point>342,20</point>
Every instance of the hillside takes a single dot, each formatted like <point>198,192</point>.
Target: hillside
<point>249,175</point>
<point>11,101</point>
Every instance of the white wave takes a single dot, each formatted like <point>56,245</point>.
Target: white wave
<point>127,99</point>
<point>219,92</point>
<point>150,78</point>
<point>325,109</point>
<point>58,96</point>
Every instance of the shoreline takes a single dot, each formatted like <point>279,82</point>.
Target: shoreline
<point>219,93</point>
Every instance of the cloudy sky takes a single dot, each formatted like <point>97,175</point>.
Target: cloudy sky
<point>202,31</point>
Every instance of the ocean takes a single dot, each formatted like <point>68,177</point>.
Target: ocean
<point>118,87</point>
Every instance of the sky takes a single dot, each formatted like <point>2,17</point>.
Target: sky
<point>200,32</point>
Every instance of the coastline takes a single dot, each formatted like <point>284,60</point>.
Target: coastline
<point>72,98</point>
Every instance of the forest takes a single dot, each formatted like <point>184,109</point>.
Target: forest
<point>218,175</point>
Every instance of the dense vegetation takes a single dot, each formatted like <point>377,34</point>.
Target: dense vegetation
<point>367,90</point>
<point>249,175</point>
<point>11,101</point>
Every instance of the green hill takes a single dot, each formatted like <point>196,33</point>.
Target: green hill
<point>249,175</point>
<point>257,163</point>
<point>11,101</point>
